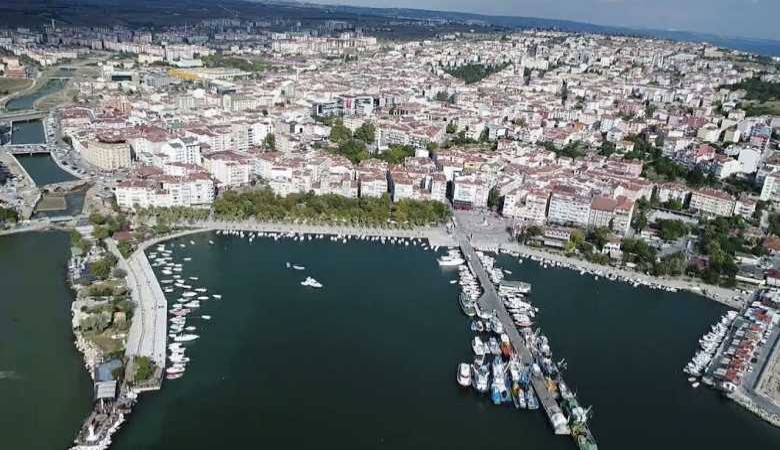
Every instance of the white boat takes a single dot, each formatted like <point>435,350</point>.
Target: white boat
<point>174,370</point>
<point>297,267</point>
<point>464,375</point>
<point>217,296</point>
<point>449,260</point>
<point>185,337</point>
<point>311,282</point>
<point>189,294</point>
<point>205,317</point>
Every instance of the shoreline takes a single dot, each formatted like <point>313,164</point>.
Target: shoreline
<point>147,326</point>
<point>721,295</point>
<point>147,335</point>
<point>436,235</point>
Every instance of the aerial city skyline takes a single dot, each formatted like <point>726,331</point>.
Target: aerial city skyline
<point>246,224</point>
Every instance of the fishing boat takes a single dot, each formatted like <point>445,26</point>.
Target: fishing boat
<point>175,369</point>
<point>450,260</point>
<point>467,306</point>
<point>530,398</point>
<point>464,375</point>
<point>480,378</point>
<point>478,346</point>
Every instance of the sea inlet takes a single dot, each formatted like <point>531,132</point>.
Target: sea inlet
<point>45,392</point>
<point>369,360</point>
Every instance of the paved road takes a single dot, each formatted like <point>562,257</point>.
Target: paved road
<point>147,336</point>
<point>491,302</point>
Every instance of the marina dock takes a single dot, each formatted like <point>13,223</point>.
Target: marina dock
<point>491,302</point>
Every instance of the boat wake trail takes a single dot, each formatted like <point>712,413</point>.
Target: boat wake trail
<point>9,375</point>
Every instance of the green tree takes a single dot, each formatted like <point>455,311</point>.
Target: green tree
<point>452,128</point>
<point>8,215</point>
<point>340,134</point>
<point>270,141</point>
<point>144,368</point>
<point>366,132</point>
<point>494,198</point>
<point>671,230</point>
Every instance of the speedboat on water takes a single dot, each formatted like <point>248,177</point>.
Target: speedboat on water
<point>297,267</point>
<point>464,375</point>
<point>311,282</point>
<point>448,261</point>
<point>186,337</point>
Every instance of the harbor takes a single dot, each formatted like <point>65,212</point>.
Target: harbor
<point>361,309</point>
<point>528,347</point>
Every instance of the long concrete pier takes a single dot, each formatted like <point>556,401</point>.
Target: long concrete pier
<point>491,302</point>
<point>147,335</point>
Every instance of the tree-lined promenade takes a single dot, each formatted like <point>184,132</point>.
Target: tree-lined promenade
<point>264,205</point>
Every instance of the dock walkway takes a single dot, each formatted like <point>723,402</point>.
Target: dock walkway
<point>491,302</point>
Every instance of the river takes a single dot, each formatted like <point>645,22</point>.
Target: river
<point>43,169</point>
<point>27,101</point>
<point>28,132</point>
<point>45,392</point>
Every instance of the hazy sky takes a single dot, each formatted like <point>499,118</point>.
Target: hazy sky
<point>750,18</point>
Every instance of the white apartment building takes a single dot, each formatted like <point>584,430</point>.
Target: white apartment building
<point>526,205</point>
<point>228,168</point>
<point>166,191</point>
<point>569,209</point>
<point>712,202</point>
<point>105,153</point>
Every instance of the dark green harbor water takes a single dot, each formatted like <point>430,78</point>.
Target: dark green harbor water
<point>29,132</point>
<point>45,392</point>
<point>366,362</point>
<point>625,348</point>
<point>43,169</point>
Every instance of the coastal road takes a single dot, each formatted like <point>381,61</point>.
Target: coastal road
<point>491,302</point>
<point>147,336</point>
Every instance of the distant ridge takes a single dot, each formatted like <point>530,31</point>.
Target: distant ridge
<point>767,47</point>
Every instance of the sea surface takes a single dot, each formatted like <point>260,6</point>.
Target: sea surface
<point>369,360</point>
<point>45,392</point>
<point>366,362</point>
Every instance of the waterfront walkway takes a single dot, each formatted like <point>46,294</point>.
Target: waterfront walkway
<point>147,336</point>
<point>491,302</point>
<point>724,296</point>
<point>436,235</point>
